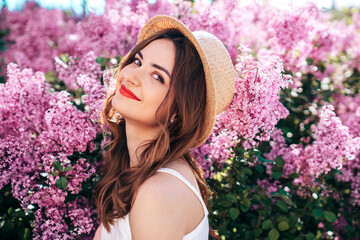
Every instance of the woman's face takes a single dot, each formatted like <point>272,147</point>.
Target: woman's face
<point>144,83</point>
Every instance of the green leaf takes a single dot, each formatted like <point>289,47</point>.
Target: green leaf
<point>276,175</point>
<point>293,219</point>
<point>10,210</point>
<point>274,234</point>
<point>244,207</point>
<point>281,218</point>
<point>257,232</point>
<point>62,183</point>
<point>267,224</point>
<point>283,226</point>
<point>256,197</point>
<point>259,168</point>
<point>225,203</point>
<point>54,173</point>
<point>68,169</point>
<point>65,58</point>
<point>291,202</point>
<point>234,213</point>
<point>26,233</point>
<point>247,171</point>
<point>330,216</point>
<point>309,61</point>
<point>279,162</point>
<point>283,206</point>
<point>100,60</point>
<point>246,202</point>
<point>317,213</point>
<point>283,193</point>
<point>57,166</point>
<point>310,236</point>
<point>262,159</point>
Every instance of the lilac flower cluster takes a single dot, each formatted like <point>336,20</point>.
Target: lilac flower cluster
<point>50,222</point>
<point>69,71</point>
<point>348,110</point>
<point>109,35</point>
<point>94,95</point>
<point>297,35</point>
<point>40,130</point>
<point>25,46</point>
<point>254,111</point>
<point>333,147</point>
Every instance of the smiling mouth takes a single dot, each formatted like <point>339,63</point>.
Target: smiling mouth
<point>127,93</point>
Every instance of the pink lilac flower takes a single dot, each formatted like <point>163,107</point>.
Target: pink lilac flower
<point>24,99</point>
<point>94,95</point>
<point>348,110</point>
<point>68,129</point>
<point>42,127</point>
<point>50,222</point>
<point>253,113</point>
<point>268,186</point>
<point>328,151</point>
<point>354,52</point>
<point>210,18</point>
<point>68,72</point>
<point>333,145</point>
<point>356,20</point>
<point>256,97</point>
<point>29,50</point>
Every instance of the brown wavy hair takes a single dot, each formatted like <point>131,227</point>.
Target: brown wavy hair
<point>115,193</point>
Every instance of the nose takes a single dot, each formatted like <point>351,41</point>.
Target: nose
<point>132,77</point>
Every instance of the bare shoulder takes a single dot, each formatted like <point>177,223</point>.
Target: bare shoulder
<point>98,232</point>
<point>158,210</point>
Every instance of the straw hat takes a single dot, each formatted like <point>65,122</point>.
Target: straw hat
<point>219,70</point>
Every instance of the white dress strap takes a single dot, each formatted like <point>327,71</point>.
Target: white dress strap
<point>187,183</point>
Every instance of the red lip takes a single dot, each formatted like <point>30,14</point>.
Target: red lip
<point>127,93</point>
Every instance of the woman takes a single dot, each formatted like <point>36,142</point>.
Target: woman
<point>169,89</point>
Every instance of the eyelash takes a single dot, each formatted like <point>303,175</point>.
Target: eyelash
<point>159,78</point>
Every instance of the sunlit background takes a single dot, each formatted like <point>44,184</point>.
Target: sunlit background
<point>97,6</point>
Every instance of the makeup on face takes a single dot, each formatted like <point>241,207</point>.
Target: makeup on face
<point>144,83</point>
<point>156,65</point>
<point>127,93</point>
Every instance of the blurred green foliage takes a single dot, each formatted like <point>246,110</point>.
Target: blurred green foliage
<point>242,210</point>
<point>15,223</point>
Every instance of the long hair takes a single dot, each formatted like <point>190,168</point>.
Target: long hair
<point>180,117</point>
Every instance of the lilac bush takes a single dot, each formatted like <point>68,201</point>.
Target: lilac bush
<point>247,118</point>
<point>293,124</point>
<point>25,46</point>
<point>333,147</point>
<point>42,130</point>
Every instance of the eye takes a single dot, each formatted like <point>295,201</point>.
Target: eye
<point>158,77</point>
<point>137,61</point>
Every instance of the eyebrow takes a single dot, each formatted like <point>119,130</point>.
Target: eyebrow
<point>155,65</point>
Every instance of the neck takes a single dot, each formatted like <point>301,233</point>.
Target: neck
<point>137,135</point>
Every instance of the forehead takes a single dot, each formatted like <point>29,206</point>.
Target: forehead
<point>160,52</point>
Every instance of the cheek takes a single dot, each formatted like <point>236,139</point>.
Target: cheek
<point>158,96</point>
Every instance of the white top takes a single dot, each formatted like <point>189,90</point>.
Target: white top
<point>121,228</point>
